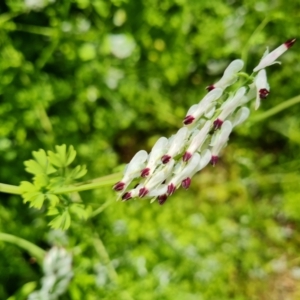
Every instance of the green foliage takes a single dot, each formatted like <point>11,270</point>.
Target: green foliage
<point>50,173</point>
<point>110,77</point>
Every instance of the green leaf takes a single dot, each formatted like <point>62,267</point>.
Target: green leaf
<point>40,164</point>
<point>27,186</point>
<point>54,200</point>
<point>31,193</point>
<point>78,172</point>
<point>41,180</point>
<point>79,210</point>
<point>71,155</point>
<point>62,221</point>
<point>37,201</point>
<point>62,158</point>
<point>56,182</point>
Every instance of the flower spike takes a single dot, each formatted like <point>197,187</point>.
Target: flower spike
<point>173,162</point>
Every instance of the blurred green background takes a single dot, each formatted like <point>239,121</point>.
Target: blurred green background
<point>110,77</point>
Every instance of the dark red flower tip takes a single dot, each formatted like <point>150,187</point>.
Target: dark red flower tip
<point>162,199</point>
<point>186,183</point>
<point>214,160</point>
<point>171,189</point>
<point>166,158</point>
<point>143,192</point>
<point>119,186</point>
<point>188,120</point>
<point>263,93</point>
<point>145,172</point>
<point>290,43</point>
<point>210,87</point>
<point>126,196</point>
<point>217,124</point>
<point>186,156</point>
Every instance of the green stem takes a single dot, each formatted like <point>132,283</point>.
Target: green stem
<point>10,189</point>
<point>34,250</point>
<point>45,31</point>
<point>259,28</point>
<point>89,185</point>
<point>107,180</point>
<point>276,109</point>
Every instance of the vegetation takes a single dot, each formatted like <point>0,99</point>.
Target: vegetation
<point>96,81</point>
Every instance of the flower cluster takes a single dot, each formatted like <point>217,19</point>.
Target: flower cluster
<point>57,267</point>
<point>173,162</point>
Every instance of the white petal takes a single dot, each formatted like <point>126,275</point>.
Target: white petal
<point>240,116</point>
<point>231,104</point>
<point>158,150</point>
<point>206,103</point>
<point>205,159</point>
<point>199,138</point>
<point>271,57</point>
<point>229,76</point>
<point>221,137</point>
<point>178,141</point>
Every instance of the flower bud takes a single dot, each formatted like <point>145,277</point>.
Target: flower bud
<point>132,170</point>
<point>205,105</point>
<point>156,153</point>
<point>270,58</point>
<point>219,140</point>
<point>262,87</point>
<point>176,144</point>
<point>230,75</point>
<point>197,141</point>
<point>229,106</point>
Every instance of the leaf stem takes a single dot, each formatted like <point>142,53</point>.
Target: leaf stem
<point>94,184</point>
<point>34,250</point>
<point>10,189</point>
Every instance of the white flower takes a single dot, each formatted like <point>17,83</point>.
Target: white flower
<point>132,170</point>
<point>229,106</point>
<point>270,58</point>
<point>157,179</point>
<point>197,141</point>
<point>186,172</point>
<point>262,87</point>
<point>240,116</point>
<point>177,143</point>
<point>205,105</point>
<point>204,160</point>
<point>230,75</point>
<point>250,95</point>
<point>219,140</point>
<point>156,153</point>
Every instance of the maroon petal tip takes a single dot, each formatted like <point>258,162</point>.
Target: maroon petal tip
<point>188,120</point>
<point>119,186</point>
<point>290,43</point>
<point>171,189</point>
<point>186,183</point>
<point>162,199</point>
<point>210,87</point>
<point>165,159</point>
<point>145,172</point>
<point>126,196</point>
<point>218,124</point>
<point>214,160</point>
<point>186,156</point>
<point>263,93</point>
<point>143,192</point>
